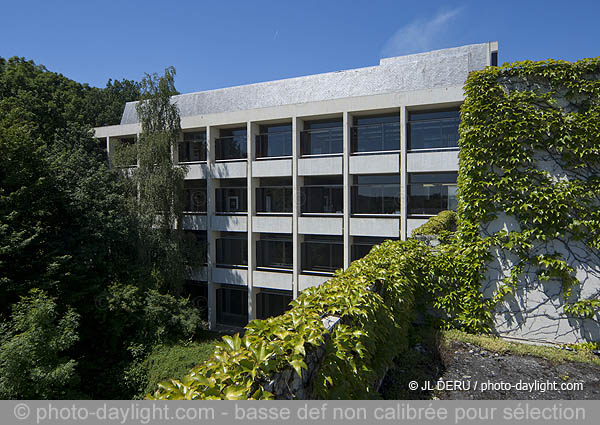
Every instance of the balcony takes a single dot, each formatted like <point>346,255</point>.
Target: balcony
<point>194,196</point>
<point>378,137</point>
<point>274,200</point>
<point>231,145</point>
<point>232,198</point>
<point>232,250</point>
<point>321,138</point>
<point>275,141</point>
<point>376,195</point>
<point>433,130</point>
<point>431,193</point>
<point>322,195</point>
<point>192,148</point>
<point>274,252</point>
<point>322,254</point>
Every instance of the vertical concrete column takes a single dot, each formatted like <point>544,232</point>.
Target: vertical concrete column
<point>108,152</point>
<point>211,134</point>
<point>403,174</point>
<point>347,123</point>
<point>251,185</point>
<point>297,125</point>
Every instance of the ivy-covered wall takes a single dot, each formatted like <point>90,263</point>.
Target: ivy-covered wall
<point>530,193</point>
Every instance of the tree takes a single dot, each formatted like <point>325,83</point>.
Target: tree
<point>33,356</point>
<point>160,181</point>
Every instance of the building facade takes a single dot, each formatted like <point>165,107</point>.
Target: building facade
<point>293,179</point>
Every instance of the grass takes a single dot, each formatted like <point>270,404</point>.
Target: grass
<point>501,346</point>
<point>175,361</point>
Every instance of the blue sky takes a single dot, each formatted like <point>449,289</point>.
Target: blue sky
<point>215,44</point>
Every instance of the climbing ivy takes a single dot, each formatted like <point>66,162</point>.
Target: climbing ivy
<point>530,149</point>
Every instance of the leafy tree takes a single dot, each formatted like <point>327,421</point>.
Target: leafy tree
<point>34,362</point>
<point>160,181</point>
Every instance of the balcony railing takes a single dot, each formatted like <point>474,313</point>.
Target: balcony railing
<point>232,252</point>
<point>192,151</point>
<point>231,147</point>
<point>274,254</point>
<point>430,199</point>
<point>231,200</point>
<point>274,144</point>
<point>376,199</point>
<point>322,199</point>
<point>274,199</point>
<point>195,200</point>
<point>323,141</point>
<point>381,137</point>
<point>322,256</point>
<point>432,132</point>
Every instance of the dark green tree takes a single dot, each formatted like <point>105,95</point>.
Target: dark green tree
<point>34,360</point>
<point>160,181</point>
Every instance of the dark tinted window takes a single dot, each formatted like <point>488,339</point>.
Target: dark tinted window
<point>193,147</point>
<point>271,304</point>
<point>274,251</point>
<point>433,129</point>
<point>274,141</point>
<point>232,306</point>
<point>376,194</point>
<point>431,193</point>
<point>232,249</point>
<point>323,254</point>
<point>231,144</point>
<point>376,133</point>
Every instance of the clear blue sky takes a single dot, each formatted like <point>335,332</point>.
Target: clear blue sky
<point>215,44</point>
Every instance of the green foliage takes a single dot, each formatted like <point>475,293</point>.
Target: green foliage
<point>34,362</point>
<point>170,360</point>
<point>512,115</point>
<point>58,235</point>
<point>159,181</point>
<point>374,299</point>
<point>438,225</point>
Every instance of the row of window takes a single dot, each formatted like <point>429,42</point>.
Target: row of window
<point>232,302</point>
<point>319,253</point>
<point>428,194</point>
<point>381,133</point>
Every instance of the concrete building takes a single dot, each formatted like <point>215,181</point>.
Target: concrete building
<point>290,180</point>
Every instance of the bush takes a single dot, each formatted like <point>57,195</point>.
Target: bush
<point>439,225</point>
<point>174,360</point>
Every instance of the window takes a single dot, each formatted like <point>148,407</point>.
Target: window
<point>232,250</point>
<point>274,141</point>
<point>194,196</point>
<point>431,193</point>
<point>433,130</point>
<point>272,303</point>
<point>321,137</point>
<point>232,306</point>
<point>231,144</point>
<point>376,134</point>
<point>274,250</point>
<point>494,59</point>
<point>322,254</point>
<point>376,194</point>
<point>193,147</point>
<point>322,195</point>
<point>274,195</point>
<point>231,197</point>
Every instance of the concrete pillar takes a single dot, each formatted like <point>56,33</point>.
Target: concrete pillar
<point>211,134</point>
<point>403,174</point>
<point>297,125</point>
<point>108,152</point>
<point>251,185</point>
<point>346,179</point>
